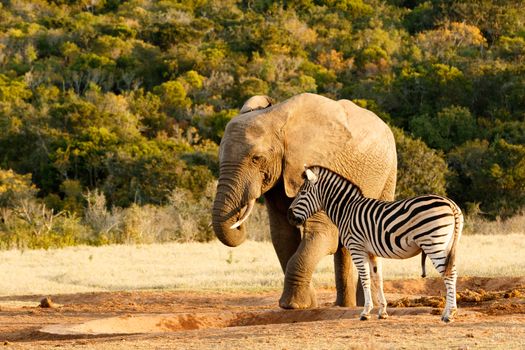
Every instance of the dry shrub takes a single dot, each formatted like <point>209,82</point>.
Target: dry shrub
<point>184,218</point>
<point>192,216</point>
<point>476,224</point>
<point>147,224</point>
<point>30,224</point>
<point>104,224</point>
<point>258,226</point>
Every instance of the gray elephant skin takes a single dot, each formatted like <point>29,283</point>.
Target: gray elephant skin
<point>263,152</point>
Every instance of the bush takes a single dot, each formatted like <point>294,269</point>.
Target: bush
<point>185,217</point>
<point>15,188</point>
<point>104,225</point>
<point>452,126</point>
<point>492,175</point>
<point>479,224</point>
<point>32,225</point>
<point>421,170</point>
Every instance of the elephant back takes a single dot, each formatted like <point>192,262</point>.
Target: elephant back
<point>339,136</point>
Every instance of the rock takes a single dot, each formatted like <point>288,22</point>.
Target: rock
<point>47,303</point>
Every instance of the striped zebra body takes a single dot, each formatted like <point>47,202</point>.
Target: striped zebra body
<point>371,228</point>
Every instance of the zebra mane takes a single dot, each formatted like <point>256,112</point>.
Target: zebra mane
<point>326,173</point>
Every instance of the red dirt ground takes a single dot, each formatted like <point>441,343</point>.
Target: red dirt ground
<point>491,315</point>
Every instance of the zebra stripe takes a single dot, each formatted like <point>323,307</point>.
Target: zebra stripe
<point>373,229</point>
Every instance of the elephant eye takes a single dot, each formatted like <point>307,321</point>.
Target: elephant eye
<point>257,158</point>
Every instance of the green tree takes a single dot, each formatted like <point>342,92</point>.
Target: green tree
<point>451,127</point>
<point>492,175</point>
<point>174,98</point>
<point>421,170</point>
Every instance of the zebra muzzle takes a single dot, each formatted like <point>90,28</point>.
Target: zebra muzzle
<point>294,220</point>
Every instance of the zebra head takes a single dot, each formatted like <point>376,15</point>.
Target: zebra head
<point>307,202</point>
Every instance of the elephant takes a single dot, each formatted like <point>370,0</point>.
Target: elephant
<point>263,153</point>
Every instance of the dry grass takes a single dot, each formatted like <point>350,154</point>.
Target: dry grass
<point>213,266</point>
<point>476,224</point>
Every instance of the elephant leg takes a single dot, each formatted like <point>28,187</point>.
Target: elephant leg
<point>319,239</point>
<point>344,279</point>
<point>286,240</point>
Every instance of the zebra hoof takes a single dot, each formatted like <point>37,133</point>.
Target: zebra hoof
<point>446,319</point>
<point>382,316</point>
<point>364,317</point>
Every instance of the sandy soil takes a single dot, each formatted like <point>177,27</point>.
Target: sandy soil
<point>491,315</point>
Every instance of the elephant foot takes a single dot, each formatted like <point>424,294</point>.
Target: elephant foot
<point>301,298</point>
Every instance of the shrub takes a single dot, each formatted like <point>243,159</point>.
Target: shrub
<point>185,217</point>
<point>492,175</point>
<point>32,225</point>
<point>15,188</point>
<point>104,225</point>
<point>421,169</point>
<point>451,126</point>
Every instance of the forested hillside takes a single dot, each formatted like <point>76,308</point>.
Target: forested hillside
<point>121,104</point>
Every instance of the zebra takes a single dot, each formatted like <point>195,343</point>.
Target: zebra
<point>373,229</point>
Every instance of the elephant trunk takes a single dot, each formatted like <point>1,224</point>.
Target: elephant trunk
<point>226,220</point>
<point>247,210</point>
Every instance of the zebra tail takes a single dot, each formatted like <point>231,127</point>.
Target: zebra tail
<point>458,228</point>
<point>423,267</point>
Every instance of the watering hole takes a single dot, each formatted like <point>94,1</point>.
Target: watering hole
<point>163,323</point>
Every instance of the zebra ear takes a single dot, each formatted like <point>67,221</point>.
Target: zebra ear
<point>311,176</point>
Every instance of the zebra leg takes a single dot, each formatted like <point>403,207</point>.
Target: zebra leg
<point>438,260</point>
<point>376,267</point>
<point>451,306</point>
<point>362,263</point>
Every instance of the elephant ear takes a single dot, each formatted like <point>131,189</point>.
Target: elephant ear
<point>255,103</point>
<point>339,136</point>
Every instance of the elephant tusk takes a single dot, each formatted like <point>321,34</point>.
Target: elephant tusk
<point>247,213</point>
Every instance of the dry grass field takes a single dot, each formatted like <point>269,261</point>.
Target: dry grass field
<point>253,266</point>
<point>208,296</point>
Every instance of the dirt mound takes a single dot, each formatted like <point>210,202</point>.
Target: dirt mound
<point>435,286</point>
<point>487,295</point>
<point>482,295</point>
<point>438,302</point>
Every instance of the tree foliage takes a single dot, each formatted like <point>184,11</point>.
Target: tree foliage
<point>131,97</point>
<point>421,170</point>
<point>490,174</point>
